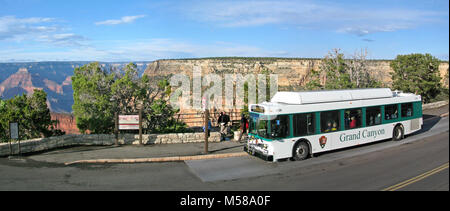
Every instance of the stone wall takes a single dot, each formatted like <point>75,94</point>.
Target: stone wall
<point>43,144</point>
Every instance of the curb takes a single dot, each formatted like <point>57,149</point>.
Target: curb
<point>435,105</point>
<point>435,117</point>
<point>161,159</point>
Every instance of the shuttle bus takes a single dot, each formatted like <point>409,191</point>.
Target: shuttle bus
<point>298,124</point>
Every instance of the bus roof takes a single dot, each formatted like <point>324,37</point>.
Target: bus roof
<point>311,97</point>
<point>298,102</point>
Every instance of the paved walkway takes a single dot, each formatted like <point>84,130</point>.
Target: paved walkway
<point>133,151</point>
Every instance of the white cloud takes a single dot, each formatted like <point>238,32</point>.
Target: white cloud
<point>139,50</point>
<point>17,28</point>
<point>37,29</point>
<point>336,17</point>
<point>125,19</point>
<point>64,40</point>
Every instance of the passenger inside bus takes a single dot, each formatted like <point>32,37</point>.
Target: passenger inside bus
<point>391,112</point>
<point>329,121</point>
<point>328,127</point>
<point>394,115</point>
<point>353,122</point>
<point>378,119</point>
<point>346,120</point>
<point>334,126</point>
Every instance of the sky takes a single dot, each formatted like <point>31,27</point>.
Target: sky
<point>143,30</point>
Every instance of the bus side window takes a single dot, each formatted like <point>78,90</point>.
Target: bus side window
<point>407,109</point>
<point>279,127</point>
<point>329,121</point>
<point>373,116</point>
<point>391,112</point>
<point>352,118</point>
<point>303,124</point>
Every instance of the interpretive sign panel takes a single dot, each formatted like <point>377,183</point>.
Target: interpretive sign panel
<point>128,122</point>
<point>14,130</point>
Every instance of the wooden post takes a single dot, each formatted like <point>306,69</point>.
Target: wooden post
<point>140,125</point>
<point>206,130</point>
<point>10,148</point>
<point>116,128</point>
<point>20,153</point>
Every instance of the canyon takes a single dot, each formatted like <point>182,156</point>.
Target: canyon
<point>55,77</point>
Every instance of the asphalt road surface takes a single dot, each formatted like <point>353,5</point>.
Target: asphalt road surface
<point>419,162</point>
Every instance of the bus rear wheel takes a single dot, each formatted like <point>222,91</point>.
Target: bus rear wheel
<point>398,133</point>
<point>301,151</point>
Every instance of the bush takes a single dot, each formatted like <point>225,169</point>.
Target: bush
<point>32,114</point>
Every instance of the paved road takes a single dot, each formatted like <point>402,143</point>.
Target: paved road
<point>416,163</point>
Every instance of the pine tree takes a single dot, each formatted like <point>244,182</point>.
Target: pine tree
<point>32,114</point>
<point>92,108</point>
<point>417,73</point>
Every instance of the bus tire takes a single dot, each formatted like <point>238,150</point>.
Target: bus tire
<point>301,151</point>
<point>398,133</point>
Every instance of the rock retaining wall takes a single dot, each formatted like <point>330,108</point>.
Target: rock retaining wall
<point>43,144</point>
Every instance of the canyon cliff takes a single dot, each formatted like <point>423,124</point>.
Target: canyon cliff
<point>292,73</point>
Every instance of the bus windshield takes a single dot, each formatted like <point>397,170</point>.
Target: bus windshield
<point>275,126</point>
<point>258,125</point>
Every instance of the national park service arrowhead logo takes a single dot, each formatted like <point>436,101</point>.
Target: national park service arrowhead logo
<point>322,141</point>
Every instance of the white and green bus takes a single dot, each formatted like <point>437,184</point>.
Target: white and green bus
<point>298,124</point>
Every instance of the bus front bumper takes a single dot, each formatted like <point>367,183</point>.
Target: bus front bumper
<point>257,151</point>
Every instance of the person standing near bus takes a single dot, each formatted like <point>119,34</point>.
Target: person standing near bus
<point>223,123</point>
<point>244,124</point>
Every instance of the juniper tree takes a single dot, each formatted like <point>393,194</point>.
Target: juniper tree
<point>417,73</point>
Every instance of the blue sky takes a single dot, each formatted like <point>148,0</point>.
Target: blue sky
<point>138,30</point>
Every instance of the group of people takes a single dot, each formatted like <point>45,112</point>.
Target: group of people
<point>350,122</point>
<point>375,120</point>
<point>331,127</point>
<point>224,124</point>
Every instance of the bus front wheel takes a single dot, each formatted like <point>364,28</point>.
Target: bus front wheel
<point>301,151</point>
<point>398,133</point>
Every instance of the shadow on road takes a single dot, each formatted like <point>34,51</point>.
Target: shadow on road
<point>429,121</point>
<point>226,148</point>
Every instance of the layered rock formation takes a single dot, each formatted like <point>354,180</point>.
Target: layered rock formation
<point>291,72</point>
<point>66,123</point>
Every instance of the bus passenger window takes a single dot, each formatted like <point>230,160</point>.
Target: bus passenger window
<point>373,116</point>
<point>329,121</point>
<point>407,109</point>
<point>352,118</point>
<point>391,112</point>
<point>303,124</point>
<point>279,127</point>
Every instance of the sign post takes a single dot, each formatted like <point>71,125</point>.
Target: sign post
<point>131,122</point>
<point>116,128</point>
<point>140,125</point>
<point>206,113</point>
